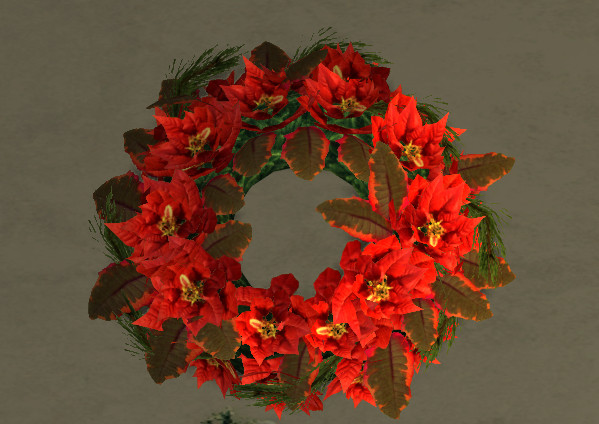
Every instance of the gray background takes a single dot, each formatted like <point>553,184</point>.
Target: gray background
<point>521,77</point>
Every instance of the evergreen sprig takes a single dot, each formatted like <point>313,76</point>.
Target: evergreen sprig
<point>328,41</point>
<point>117,250</point>
<point>198,73</point>
<point>277,391</point>
<point>487,233</point>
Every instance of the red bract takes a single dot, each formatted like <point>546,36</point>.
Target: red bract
<point>214,87</point>
<point>339,98</point>
<point>173,209</point>
<point>352,379</point>
<point>222,372</point>
<point>326,335</point>
<point>268,330</point>
<point>351,65</point>
<point>433,219</point>
<point>384,286</point>
<point>187,289</point>
<point>199,143</point>
<point>263,89</point>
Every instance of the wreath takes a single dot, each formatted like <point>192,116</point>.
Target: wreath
<point>176,283</point>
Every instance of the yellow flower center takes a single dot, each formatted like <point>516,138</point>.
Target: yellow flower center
<point>347,106</point>
<point>434,230</point>
<point>335,331</point>
<point>190,291</point>
<point>266,329</point>
<point>168,223</point>
<point>358,380</point>
<point>413,153</point>
<point>379,290</point>
<point>267,102</point>
<point>198,141</point>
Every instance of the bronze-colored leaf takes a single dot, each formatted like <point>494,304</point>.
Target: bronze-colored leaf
<point>421,326</point>
<point>388,182</point>
<point>271,56</point>
<point>169,351</point>
<point>126,195</point>
<point>480,171</point>
<point>293,367</point>
<point>354,154</point>
<point>470,269</point>
<point>356,217</point>
<point>305,66</point>
<point>305,151</point>
<point>389,373</point>
<point>221,342</point>
<point>461,298</point>
<point>229,239</point>
<point>138,140</point>
<point>223,195</point>
<point>254,154</point>
<point>106,300</point>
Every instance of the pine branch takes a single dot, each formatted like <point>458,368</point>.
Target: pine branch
<point>197,74</point>
<point>328,41</point>
<point>487,232</point>
<point>118,251</point>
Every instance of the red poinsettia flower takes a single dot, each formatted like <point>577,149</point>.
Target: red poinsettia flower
<point>352,379</point>
<point>383,286</point>
<point>422,290</point>
<point>173,209</point>
<point>339,98</point>
<point>433,219</point>
<point>404,133</point>
<point>199,143</point>
<point>268,330</point>
<point>351,65</point>
<point>328,336</point>
<point>222,372</point>
<point>187,290</point>
<point>263,373</point>
<point>263,94</point>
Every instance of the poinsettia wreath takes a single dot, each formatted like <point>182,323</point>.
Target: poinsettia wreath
<point>176,283</point>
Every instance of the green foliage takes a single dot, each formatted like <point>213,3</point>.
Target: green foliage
<point>186,81</point>
<point>487,232</point>
<point>117,250</point>
<point>328,41</point>
<point>198,73</point>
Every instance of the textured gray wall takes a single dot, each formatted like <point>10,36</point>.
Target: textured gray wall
<point>521,77</point>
